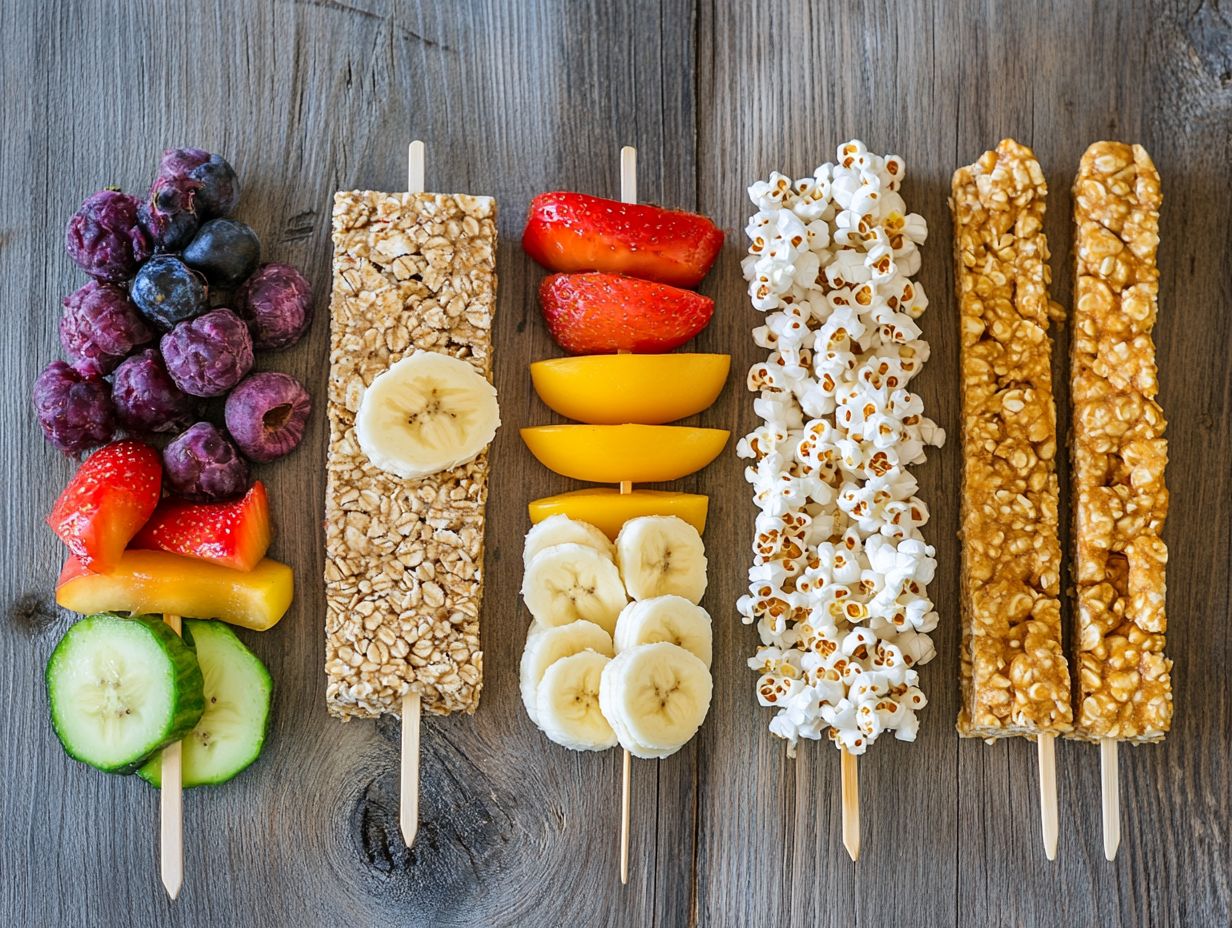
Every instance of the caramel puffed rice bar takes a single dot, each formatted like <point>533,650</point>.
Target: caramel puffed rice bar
<point>1124,685</point>
<point>1014,677</point>
<point>404,559</point>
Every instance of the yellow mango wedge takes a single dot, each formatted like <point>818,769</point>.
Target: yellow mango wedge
<point>612,453</point>
<point>610,389</point>
<point>158,582</point>
<point>609,509</point>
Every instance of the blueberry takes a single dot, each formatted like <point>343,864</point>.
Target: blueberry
<point>266,415</point>
<point>202,464</point>
<point>169,216</point>
<point>167,291</point>
<point>146,399</point>
<point>210,177</point>
<point>105,238</point>
<point>75,412</point>
<point>100,327</point>
<point>276,302</point>
<point>209,355</point>
<point>225,251</point>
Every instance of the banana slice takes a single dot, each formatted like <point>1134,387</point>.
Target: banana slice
<point>427,413</point>
<point>561,530</point>
<point>665,618</point>
<point>567,701</point>
<point>545,646</point>
<point>661,555</point>
<point>655,697</point>
<point>571,581</point>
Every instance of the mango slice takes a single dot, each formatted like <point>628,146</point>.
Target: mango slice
<point>609,509</point>
<point>610,389</point>
<point>158,582</point>
<point>612,453</point>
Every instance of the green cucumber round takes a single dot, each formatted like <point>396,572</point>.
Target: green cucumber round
<point>121,689</point>
<point>238,690</point>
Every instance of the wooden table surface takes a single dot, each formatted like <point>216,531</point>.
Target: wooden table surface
<point>514,99</point>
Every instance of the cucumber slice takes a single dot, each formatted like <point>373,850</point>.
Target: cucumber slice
<point>121,689</point>
<point>238,689</point>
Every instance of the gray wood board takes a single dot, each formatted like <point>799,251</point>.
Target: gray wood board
<point>513,99</point>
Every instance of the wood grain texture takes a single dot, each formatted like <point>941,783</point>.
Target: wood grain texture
<point>516,98</point>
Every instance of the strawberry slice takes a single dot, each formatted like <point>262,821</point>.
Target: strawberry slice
<point>108,500</point>
<point>604,313</point>
<point>234,534</point>
<point>577,232</point>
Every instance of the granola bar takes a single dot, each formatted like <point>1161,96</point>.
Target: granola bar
<point>1014,677</point>
<point>1123,680</point>
<point>404,559</point>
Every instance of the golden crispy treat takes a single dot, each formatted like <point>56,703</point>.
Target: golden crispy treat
<point>1014,677</point>
<point>1124,684</point>
<point>404,558</point>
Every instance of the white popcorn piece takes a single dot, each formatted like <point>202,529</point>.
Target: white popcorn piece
<point>838,586</point>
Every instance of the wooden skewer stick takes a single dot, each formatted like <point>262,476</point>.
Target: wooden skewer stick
<point>171,808</point>
<point>1111,790</point>
<point>628,194</point>
<point>851,805</point>
<point>408,780</point>
<point>1046,745</point>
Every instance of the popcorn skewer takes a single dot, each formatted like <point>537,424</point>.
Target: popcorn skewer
<point>628,194</point>
<point>1014,677</point>
<point>1119,455</point>
<point>414,284</point>
<point>171,807</point>
<point>838,587</point>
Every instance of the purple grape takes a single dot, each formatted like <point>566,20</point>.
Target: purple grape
<point>100,327</point>
<point>169,216</point>
<point>266,415</point>
<point>202,464</point>
<point>105,238</point>
<point>209,176</point>
<point>145,397</point>
<point>75,412</point>
<point>276,302</point>
<point>209,355</point>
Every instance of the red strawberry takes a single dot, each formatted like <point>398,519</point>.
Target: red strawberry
<point>604,313</point>
<point>108,500</point>
<point>234,534</point>
<point>576,232</point>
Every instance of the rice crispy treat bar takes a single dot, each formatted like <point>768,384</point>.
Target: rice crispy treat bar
<point>1014,677</point>
<point>1123,679</point>
<point>404,559</point>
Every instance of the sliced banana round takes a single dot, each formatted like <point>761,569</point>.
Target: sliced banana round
<point>655,697</point>
<point>567,702</point>
<point>571,581</point>
<point>629,743</point>
<point>546,645</point>
<point>425,414</point>
<point>665,618</point>
<point>661,555</point>
<point>561,530</point>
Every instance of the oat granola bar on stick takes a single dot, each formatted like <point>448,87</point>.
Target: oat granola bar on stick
<point>1014,677</point>
<point>414,292</point>
<point>1123,679</point>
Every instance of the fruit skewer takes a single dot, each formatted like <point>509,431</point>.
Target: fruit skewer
<point>171,807</point>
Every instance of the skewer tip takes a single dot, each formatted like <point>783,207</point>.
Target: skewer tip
<point>408,786</point>
<point>851,805</point>
<point>1046,749</point>
<point>1110,787</point>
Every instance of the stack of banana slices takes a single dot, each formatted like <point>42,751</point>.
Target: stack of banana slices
<point>598,669</point>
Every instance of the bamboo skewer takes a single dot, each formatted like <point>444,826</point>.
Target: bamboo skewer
<point>408,780</point>
<point>628,194</point>
<point>1110,788</point>
<point>171,808</point>
<point>851,804</point>
<point>1046,745</point>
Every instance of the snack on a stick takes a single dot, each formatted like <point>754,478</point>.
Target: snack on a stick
<point>1119,452</point>
<point>1014,676</point>
<point>412,273</point>
<point>838,584</point>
